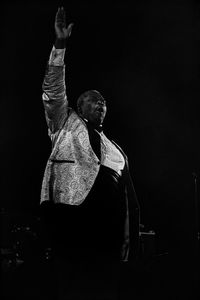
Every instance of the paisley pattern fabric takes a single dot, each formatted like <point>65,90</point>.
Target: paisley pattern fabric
<point>57,57</point>
<point>72,167</point>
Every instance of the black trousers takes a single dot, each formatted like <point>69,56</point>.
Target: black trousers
<point>95,227</point>
<point>87,239</point>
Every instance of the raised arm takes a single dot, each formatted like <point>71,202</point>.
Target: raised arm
<point>54,90</point>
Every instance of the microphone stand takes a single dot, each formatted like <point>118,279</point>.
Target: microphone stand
<point>197,233</point>
<point>196,207</point>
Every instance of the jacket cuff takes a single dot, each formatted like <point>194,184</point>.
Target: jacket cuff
<point>57,57</point>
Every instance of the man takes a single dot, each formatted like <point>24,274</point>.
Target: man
<point>87,196</point>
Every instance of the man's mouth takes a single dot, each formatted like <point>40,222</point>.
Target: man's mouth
<point>100,109</point>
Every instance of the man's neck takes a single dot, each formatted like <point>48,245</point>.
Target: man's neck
<point>98,127</point>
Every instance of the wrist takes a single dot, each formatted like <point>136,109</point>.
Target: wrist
<point>60,43</point>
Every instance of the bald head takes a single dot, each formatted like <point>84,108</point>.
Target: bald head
<point>92,106</point>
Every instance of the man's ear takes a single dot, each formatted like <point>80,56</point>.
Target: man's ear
<point>79,110</point>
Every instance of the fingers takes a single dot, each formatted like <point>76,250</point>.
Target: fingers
<point>61,13</point>
<point>69,29</point>
<point>60,24</point>
<point>61,17</point>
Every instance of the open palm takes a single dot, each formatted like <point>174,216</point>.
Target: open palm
<point>62,32</point>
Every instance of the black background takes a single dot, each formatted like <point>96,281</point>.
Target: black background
<point>143,56</point>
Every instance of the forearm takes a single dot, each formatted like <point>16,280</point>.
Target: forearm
<point>54,90</point>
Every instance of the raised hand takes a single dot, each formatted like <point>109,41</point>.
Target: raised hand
<point>60,25</point>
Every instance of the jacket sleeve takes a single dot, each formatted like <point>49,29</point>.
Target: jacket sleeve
<point>54,91</point>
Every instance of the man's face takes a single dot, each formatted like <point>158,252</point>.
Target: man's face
<point>94,110</point>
